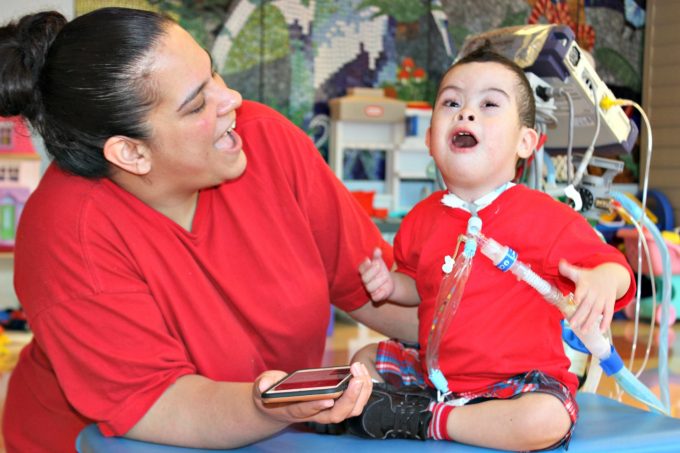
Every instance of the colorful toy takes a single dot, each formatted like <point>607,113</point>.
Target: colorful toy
<point>12,201</point>
<point>652,266</point>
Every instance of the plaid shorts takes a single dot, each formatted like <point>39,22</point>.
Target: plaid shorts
<point>399,366</point>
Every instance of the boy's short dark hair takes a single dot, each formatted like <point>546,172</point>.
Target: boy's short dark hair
<point>525,95</point>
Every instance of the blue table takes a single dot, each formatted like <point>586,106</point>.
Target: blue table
<point>604,425</point>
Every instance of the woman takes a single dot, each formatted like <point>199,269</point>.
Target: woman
<point>169,256</point>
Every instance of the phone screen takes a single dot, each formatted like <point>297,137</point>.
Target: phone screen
<point>314,379</point>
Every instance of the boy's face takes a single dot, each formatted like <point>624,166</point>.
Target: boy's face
<point>475,136</point>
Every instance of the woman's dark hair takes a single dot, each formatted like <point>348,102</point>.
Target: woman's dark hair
<point>525,95</point>
<point>81,82</point>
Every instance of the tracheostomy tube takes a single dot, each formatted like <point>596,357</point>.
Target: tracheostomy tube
<point>592,341</point>
<point>448,298</point>
<point>505,259</point>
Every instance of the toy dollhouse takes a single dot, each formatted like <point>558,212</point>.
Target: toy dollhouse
<point>377,148</point>
<point>19,175</point>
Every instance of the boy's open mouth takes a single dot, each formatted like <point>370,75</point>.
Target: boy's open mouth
<point>464,140</point>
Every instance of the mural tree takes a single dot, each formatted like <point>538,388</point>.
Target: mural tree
<point>202,18</point>
<point>405,12</point>
<point>262,46</point>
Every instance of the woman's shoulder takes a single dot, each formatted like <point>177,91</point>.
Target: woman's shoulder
<point>66,201</point>
<point>61,190</point>
<point>260,124</point>
<point>253,111</point>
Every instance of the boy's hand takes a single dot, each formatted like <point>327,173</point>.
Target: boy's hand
<point>350,403</point>
<point>376,277</point>
<point>594,295</point>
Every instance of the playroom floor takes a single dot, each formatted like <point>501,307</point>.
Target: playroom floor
<point>347,338</point>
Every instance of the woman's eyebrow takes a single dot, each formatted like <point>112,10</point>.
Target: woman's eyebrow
<point>192,95</point>
<point>195,92</point>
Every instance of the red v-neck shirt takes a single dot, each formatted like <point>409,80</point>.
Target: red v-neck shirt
<point>502,327</point>
<point>123,301</point>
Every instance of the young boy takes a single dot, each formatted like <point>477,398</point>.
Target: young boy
<point>502,354</point>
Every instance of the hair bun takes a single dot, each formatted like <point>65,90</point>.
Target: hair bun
<point>23,49</point>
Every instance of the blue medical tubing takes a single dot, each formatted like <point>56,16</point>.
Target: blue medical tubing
<point>448,298</point>
<point>591,341</point>
<point>505,259</point>
<point>610,365</point>
<point>636,212</point>
<point>551,177</point>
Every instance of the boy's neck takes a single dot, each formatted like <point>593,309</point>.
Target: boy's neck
<point>455,201</point>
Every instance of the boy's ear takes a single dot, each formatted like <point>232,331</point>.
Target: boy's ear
<point>528,142</point>
<point>128,154</point>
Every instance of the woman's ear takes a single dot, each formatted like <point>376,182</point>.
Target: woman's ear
<point>528,142</point>
<point>128,154</point>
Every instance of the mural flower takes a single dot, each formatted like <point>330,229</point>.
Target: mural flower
<point>412,83</point>
<point>559,13</point>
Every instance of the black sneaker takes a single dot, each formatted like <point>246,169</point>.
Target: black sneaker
<point>391,414</point>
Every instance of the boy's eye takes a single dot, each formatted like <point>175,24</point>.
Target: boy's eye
<point>490,104</point>
<point>450,103</point>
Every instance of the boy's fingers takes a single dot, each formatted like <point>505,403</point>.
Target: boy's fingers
<point>584,314</point>
<point>369,276</point>
<point>372,286</point>
<point>568,270</point>
<point>378,294</point>
<point>606,318</point>
<point>365,265</point>
<point>379,265</point>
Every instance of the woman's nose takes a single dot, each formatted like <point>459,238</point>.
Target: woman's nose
<point>228,100</point>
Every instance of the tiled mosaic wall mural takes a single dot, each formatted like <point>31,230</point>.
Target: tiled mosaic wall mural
<point>295,55</point>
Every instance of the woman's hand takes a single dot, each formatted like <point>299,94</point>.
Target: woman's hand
<point>325,411</point>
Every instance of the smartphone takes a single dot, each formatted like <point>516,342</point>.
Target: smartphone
<point>309,384</point>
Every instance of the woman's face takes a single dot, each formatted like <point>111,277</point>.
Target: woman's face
<point>193,145</point>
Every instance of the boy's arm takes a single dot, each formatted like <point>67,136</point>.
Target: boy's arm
<point>382,284</point>
<point>596,291</point>
<point>405,291</point>
<point>392,320</point>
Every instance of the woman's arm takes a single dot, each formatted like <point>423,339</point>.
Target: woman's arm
<point>202,413</point>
